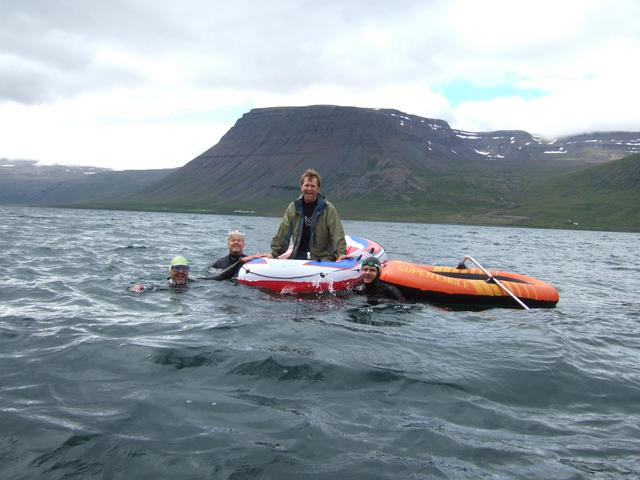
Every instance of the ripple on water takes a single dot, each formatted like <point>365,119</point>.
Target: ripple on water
<point>225,381</point>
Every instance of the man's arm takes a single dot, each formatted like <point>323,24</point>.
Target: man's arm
<point>394,293</point>
<point>337,232</point>
<point>280,241</point>
<point>228,273</point>
<point>221,263</point>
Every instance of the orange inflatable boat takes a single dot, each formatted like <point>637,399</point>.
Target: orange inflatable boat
<point>465,286</point>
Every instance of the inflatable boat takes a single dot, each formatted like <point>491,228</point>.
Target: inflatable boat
<point>283,276</point>
<point>463,286</point>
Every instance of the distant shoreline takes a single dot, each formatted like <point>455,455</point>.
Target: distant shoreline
<point>363,218</point>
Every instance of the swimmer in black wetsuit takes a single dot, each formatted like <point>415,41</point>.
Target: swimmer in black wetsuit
<point>374,288</point>
<point>230,264</point>
<point>235,242</point>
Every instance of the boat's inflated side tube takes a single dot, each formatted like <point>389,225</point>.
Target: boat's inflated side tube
<point>300,276</point>
<point>469,286</point>
<point>284,276</point>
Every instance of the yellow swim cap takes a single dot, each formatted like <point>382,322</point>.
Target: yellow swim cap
<point>179,260</point>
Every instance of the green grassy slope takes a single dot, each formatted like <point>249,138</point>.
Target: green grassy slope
<point>605,197</point>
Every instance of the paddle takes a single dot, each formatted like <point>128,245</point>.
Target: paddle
<point>492,278</point>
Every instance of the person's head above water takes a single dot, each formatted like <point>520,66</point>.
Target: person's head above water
<point>370,269</point>
<point>179,270</point>
<point>235,241</point>
<point>310,185</point>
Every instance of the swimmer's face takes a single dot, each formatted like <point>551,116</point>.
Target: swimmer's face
<point>369,273</point>
<point>236,244</point>
<point>179,274</point>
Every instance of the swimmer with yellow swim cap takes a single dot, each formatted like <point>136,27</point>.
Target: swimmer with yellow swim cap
<point>178,277</point>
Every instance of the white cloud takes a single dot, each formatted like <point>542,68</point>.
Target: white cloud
<point>95,131</point>
<point>590,106</point>
<point>600,97</point>
<point>131,83</point>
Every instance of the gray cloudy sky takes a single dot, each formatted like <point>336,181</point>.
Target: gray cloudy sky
<point>153,83</point>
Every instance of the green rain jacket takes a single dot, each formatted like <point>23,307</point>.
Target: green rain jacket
<point>326,236</point>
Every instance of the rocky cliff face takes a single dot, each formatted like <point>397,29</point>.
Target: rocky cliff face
<point>590,148</point>
<point>386,163</point>
<point>354,149</point>
<point>358,151</point>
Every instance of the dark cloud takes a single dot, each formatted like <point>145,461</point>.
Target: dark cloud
<point>53,49</point>
<point>149,64</point>
<point>260,45</point>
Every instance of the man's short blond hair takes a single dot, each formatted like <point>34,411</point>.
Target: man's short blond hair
<point>310,173</point>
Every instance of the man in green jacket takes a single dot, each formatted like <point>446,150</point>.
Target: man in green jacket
<point>312,223</point>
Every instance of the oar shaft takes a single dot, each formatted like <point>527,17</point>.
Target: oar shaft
<point>498,282</point>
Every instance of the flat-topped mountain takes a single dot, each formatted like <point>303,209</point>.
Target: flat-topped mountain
<point>354,149</point>
<point>384,164</point>
<point>377,161</point>
<point>357,150</point>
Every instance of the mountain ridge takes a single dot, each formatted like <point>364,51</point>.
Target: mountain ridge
<point>25,182</point>
<point>357,151</point>
<point>379,164</point>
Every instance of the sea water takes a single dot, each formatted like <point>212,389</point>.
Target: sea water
<point>225,381</point>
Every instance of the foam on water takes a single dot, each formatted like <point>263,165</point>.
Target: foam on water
<point>225,381</point>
